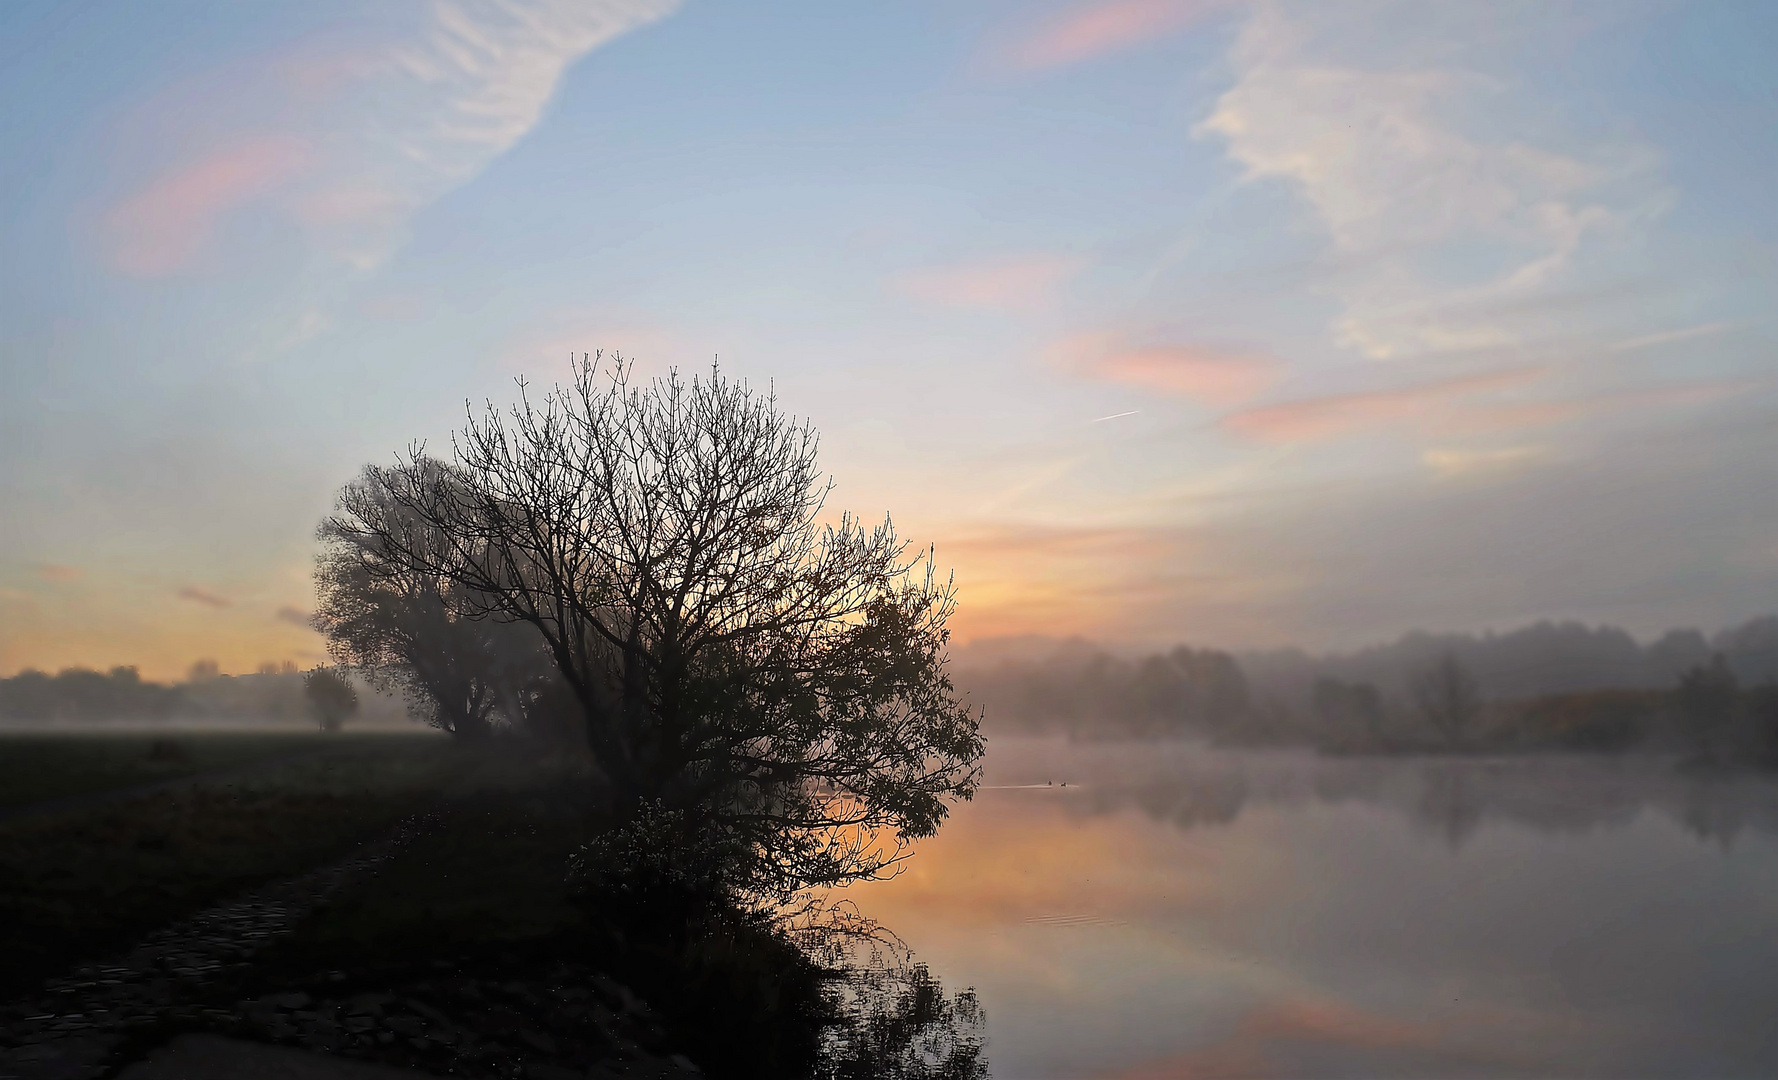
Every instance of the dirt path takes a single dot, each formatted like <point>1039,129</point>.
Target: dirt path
<point>71,1029</point>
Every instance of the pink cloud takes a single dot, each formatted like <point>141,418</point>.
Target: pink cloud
<point>57,572</point>
<point>1004,283</point>
<point>199,595</point>
<point>1202,372</point>
<point>165,226</point>
<point>1097,29</point>
<point>1312,419</point>
<point>1193,371</point>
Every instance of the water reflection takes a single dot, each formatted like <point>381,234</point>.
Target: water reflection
<point>1176,912</point>
<point>894,1021</point>
<point>1190,786</point>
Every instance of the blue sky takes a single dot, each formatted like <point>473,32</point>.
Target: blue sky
<point>1420,314</point>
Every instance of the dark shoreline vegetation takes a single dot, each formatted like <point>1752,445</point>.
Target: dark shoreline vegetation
<point>471,943</point>
<point>683,706</point>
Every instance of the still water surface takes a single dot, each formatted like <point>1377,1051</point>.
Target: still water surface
<point>1181,912</point>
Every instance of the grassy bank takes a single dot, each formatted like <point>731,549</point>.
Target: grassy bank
<point>484,893</point>
<point>40,766</point>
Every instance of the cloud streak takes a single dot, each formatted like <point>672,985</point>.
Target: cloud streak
<point>166,226</point>
<point>1094,30</point>
<point>348,142</point>
<point>295,616</point>
<point>200,595</point>
<point>1317,418</point>
<point>1199,372</point>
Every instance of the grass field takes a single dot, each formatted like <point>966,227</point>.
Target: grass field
<point>79,883</point>
<point>37,766</point>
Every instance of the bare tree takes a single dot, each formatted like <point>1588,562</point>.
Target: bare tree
<point>1446,696</point>
<point>734,653</point>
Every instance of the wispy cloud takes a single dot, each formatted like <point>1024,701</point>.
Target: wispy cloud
<point>349,141</point>
<point>1311,419</point>
<point>200,595</point>
<point>57,572</point>
<point>1098,29</point>
<point>1480,404</point>
<point>294,615</point>
<point>164,227</point>
<point>1208,373</point>
<point>1007,283</point>
<point>1431,221</point>
<point>1668,337</point>
<point>1453,463</point>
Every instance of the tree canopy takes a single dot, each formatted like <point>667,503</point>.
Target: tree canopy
<point>735,652</point>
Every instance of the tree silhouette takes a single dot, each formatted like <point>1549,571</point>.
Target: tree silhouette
<point>735,654</point>
<point>331,697</point>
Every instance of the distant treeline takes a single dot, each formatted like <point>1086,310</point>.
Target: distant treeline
<point>1549,686</point>
<point>1082,690</point>
<point>1545,658</point>
<point>274,693</point>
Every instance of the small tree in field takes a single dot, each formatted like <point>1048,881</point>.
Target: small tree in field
<point>331,697</point>
<point>746,671</point>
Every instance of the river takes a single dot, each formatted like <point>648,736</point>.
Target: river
<point>1148,911</point>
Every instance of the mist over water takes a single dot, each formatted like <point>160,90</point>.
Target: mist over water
<point>1177,910</point>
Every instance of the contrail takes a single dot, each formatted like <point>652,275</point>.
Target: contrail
<point>1114,416</point>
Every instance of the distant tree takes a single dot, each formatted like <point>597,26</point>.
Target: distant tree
<point>414,629</point>
<point>1352,710</point>
<point>1446,696</point>
<point>1708,697</point>
<point>1219,683</point>
<point>1163,695</point>
<point>332,697</point>
<point>739,665</point>
<point>203,671</point>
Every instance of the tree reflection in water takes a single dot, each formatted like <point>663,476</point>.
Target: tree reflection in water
<point>894,1021</point>
<point>1192,786</point>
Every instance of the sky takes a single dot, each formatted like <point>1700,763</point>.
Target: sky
<point>1233,323</point>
